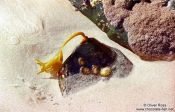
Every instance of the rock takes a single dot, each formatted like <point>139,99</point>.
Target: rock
<point>150,25</point>
<point>95,70</point>
<point>116,11</point>
<point>151,31</point>
<point>94,53</point>
<point>85,71</point>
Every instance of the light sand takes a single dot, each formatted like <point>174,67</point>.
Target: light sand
<point>35,29</point>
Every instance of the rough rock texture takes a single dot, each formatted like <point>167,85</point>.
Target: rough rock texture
<point>116,11</point>
<point>150,28</point>
<point>151,34</point>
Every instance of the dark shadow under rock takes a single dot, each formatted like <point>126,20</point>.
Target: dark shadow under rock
<point>93,53</point>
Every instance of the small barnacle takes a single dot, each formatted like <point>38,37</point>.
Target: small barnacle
<point>54,65</point>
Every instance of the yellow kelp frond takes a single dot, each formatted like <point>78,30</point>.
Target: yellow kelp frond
<point>74,35</point>
<point>54,65</point>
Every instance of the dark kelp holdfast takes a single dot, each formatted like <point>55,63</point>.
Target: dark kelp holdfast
<point>88,63</point>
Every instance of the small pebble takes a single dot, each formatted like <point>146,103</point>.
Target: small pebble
<point>81,61</point>
<point>41,98</point>
<point>85,70</point>
<point>105,72</point>
<point>95,69</point>
<point>33,88</point>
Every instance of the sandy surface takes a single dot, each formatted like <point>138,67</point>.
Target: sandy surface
<point>35,29</point>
